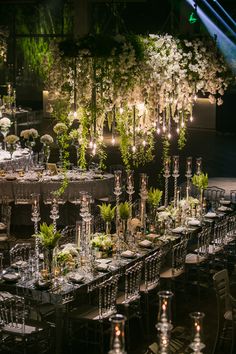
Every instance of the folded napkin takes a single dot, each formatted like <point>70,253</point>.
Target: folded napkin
<point>194,222</point>
<point>128,254</point>
<point>222,208</point>
<point>11,277</point>
<point>210,214</point>
<point>102,267</point>
<point>76,278</point>
<point>178,229</point>
<point>145,243</point>
<point>225,202</point>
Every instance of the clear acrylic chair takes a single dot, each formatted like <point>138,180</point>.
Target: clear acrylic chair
<point>21,251</point>
<point>152,265</point>
<point>88,322</point>
<point>179,252</point>
<point>23,192</point>
<point>5,219</point>
<point>19,334</point>
<point>213,194</point>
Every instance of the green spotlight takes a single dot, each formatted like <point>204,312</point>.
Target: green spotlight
<point>192,18</point>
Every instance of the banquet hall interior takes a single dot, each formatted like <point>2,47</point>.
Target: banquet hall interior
<point>117,176</point>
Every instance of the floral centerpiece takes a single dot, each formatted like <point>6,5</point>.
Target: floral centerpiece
<point>60,128</point>
<point>102,243</point>
<point>11,141</point>
<point>201,182</point>
<point>154,198</point>
<point>107,214</point>
<point>124,213</point>
<point>47,141</point>
<point>49,239</point>
<point>5,124</point>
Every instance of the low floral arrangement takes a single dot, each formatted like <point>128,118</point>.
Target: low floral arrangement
<point>74,135</point>
<point>124,210</point>
<point>164,215</point>
<point>102,243</point>
<point>11,139</point>
<point>60,128</point>
<point>46,139</point>
<point>5,123</point>
<point>64,258</point>
<point>28,134</point>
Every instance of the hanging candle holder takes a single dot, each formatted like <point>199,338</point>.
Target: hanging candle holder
<point>175,174</point>
<point>166,175</point>
<point>35,217</point>
<point>197,345</point>
<point>143,195</point>
<point>117,341</point>
<point>188,175</point>
<point>198,165</point>
<point>164,325</point>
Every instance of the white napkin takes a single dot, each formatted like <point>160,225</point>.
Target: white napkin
<point>128,254</point>
<point>194,222</point>
<point>145,243</point>
<point>210,214</point>
<point>178,229</point>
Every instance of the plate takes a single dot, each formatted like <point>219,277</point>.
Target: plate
<point>210,215</point>
<point>42,284</point>
<point>11,277</point>
<point>225,202</point>
<point>19,264</point>
<point>10,178</point>
<point>194,222</point>
<point>76,278</point>
<point>178,230</point>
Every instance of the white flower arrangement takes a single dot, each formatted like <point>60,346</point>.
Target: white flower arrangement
<point>163,215</point>
<point>11,139</point>
<point>60,128</point>
<point>29,134</point>
<point>46,139</point>
<point>102,242</point>
<point>5,123</point>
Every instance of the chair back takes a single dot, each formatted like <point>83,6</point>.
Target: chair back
<point>107,293</point>
<point>179,253</point>
<point>23,192</point>
<point>12,313</point>
<point>231,227</point>
<point>220,232</point>
<point>233,196</point>
<point>21,251</point>
<point>152,265</point>
<point>221,286</point>
<point>203,242</point>
<point>6,214</point>
<point>214,194</point>
<point>132,282</point>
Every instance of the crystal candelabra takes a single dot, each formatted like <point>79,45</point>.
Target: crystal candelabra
<point>117,342</point>
<point>197,344</point>
<point>166,175</point>
<point>35,217</point>
<point>164,325</point>
<point>188,175</point>
<point>175,174</point>
<point>118,192</point>
<point>54,212</point>
<point>85,203</point>
<point>143,195</point>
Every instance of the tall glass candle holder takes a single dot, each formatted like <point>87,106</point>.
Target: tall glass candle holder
<point>175,174</point>
<point>198,165</point>
<point>117,341</point>
<point>164,325</point>
<point>166,175</point>
<point>143,199</point>
<point>117,192</point>
<point>35,217</point>
<point>188,175</point>
<point>130,188</point>
<point>197,345</point>
<point>86,220</point>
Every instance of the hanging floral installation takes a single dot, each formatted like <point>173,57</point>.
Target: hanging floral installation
<point>139,87</point>
<point>3,44</point>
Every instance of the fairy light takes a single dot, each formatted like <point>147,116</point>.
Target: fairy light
<point>158,130</point>
<point>121,110</point>
<point>133,148</point>
<point>144,143</point>
<point>113,140</point>
<point>169,135</point>
<point>164,128</point>
<point>91,144</point>
<point>177,130</point>
<point>75,114</point>
<point>182,124</point>
<point>191,118</point>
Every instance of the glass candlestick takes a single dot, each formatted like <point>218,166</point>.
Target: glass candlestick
<point>198,165</point>
<point>164,325</point>
<point>197,345</point>
<point>54,212</point>
<point>188,175</point>
<point>117,342</point>
<point>35,217</point>
<point>166,175</point>
<point>130,189</point>
<point>117,192</point>
<point>143,195</point>
<point>85,213</point>
<point>175,174</point>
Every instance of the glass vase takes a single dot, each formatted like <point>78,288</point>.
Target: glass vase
<point>197,345</point>
<point>48,261</point>
<point>108,227</point>
<point>4,133</point>
<point>117,341</point>
<point>164,325</point>
<point>46,152</point>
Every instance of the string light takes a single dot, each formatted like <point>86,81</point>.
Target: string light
<point>177,130</point>
<point>169,136</point>
<point>91,144</point>
<point>113,140</point>
<point>134,148</point>
<point>144,143</point>
<point>75,114</point>
<point>191,118</point>
<point>158,130</point>
<point>121,110</point>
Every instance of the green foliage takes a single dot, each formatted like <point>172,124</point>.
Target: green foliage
<point>154,196</point>
<point>182,138</point>
<point>124,210</point>
<point>107,212</point>
<point>47,235</point>
<point>200,181</point>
